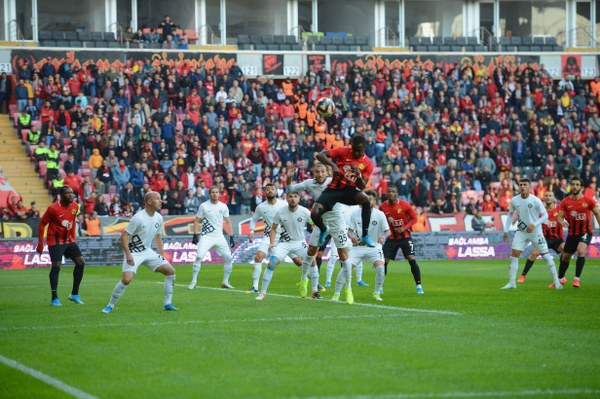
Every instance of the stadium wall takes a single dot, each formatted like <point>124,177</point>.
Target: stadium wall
<point>446,237</point>
<point>280,64</point>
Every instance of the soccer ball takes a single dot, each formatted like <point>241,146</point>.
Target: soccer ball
<point>325,107</point>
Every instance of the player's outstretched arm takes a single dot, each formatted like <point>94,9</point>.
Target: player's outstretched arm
<point>159,244</point>
<point>325,159</point>
<point>196,236</point>
<point>125,245</point>
<point>272,235</point>
<point>228,227</point>
<point>41,232</point>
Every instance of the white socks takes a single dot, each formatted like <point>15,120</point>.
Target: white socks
<point>314,278</point>
<point>305,266</point>
<point>379,278</point>
<point>347,269</point>
<point>256,274</point>
<point>196,269</point>
<point>512,270</point>
<point>339,282</point>
<point>116,294</point>
<point>358,269</point>
<point>330,267</point>
<point>551,268</point>
<point>168,288</point>
<point>227,268</point>
<point>267,276</point>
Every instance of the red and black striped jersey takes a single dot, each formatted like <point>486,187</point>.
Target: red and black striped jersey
<point>344,160</point>
<point>61,221</point>
<point>400,214</point>
<point>552,229</point>
<point>578,213</point>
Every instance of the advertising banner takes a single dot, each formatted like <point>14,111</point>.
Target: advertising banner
<point>115,60</point>
<point>106,251</point>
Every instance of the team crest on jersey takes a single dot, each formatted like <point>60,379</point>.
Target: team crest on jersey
<point>584,205</point>
<point>529,206</point>
<point>555,213</point>
<point>361,166</point>
<point>299,219</point>
<point>156,225</point>
<point>374,222</point>
<point>399,211</point>
<point>73,211</point>
<point>220,211</point>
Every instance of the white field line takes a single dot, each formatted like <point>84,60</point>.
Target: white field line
<point>488,394</point>
<point>367,305</point>
<point>45,378</point>
<point>67,284</point>
<point>208,322</point>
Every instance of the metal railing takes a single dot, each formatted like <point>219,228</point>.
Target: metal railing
<point>569,37</point>
<point>210,34</point>
<point>120,32</point>
<point>390,38</point>
<point>15,32</point>
<point>486,38</point>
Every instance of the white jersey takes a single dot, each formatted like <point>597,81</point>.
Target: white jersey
<point>266,212</point>
<point>311,186</point>
<point>212,216</point>
<point>142,229</point>
<point>530,210</point>
<point>292,225</point>
<point>379,224</point>
<point>348,211</point>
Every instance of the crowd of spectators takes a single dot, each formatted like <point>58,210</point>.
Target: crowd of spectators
<point>451,140</point>
<point>167,34</point>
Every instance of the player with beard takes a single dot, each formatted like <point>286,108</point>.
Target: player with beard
<point>553,233</point>
<point>531,213</point>
<point>266,211</point>
<point>577,211</point>
<point>60,218</point>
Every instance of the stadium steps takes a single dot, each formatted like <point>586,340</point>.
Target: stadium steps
<point>18,168</point>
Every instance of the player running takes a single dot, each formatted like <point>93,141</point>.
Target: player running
<point>576,210</point>
<point>136,239</point>
<point>292,221</point>
<point>60,218</point>
<point>378,231</point>
<point>351,172</point>
<point>531,213</point>
<point>266,211</point>
<point>213,214</point>
<point>553,233</point>
<point>401,217</point>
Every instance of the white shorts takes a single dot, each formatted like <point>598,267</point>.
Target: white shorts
<point>338,230</point>
<point>537,240</point>
<point>263,246</point>
<point>209,242</point>
<point>291,249</point>
<point>149,258</point>
<point>366,254</point>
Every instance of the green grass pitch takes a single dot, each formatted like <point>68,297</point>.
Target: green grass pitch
<point>465,338</point>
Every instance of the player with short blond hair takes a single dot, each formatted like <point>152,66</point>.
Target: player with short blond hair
<point>143,228</point>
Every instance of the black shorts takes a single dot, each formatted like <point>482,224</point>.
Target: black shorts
<point>555,243</point>
<point>572,242</point>
<point>69,251</point>
<point>331,196</point>
<point>391,246</point>
<point>327,239</point>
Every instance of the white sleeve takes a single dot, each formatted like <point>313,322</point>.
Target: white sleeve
<point>133,225</point>
<point>511,211</point>
<point>276,218</point>
<point>543,213</point>
<point>385,226</point>
<point>294,188</point>
<point>200,213</point>
<point>257,215</point>
<point>226,211</point>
